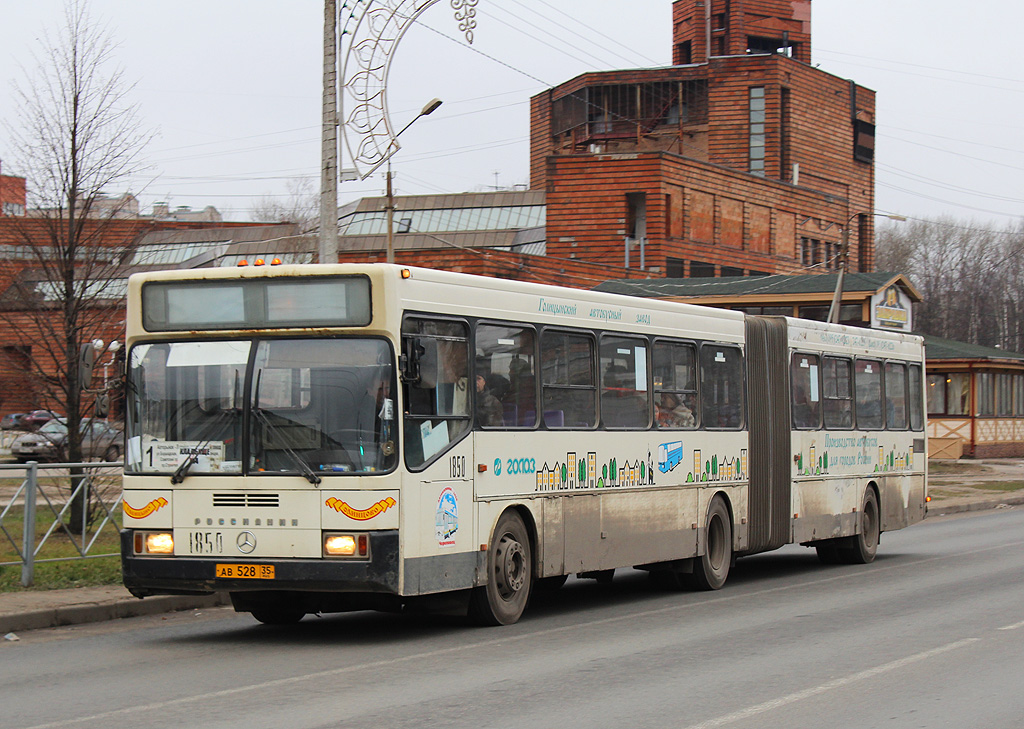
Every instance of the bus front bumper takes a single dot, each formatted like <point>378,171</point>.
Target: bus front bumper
<point>144,576</point>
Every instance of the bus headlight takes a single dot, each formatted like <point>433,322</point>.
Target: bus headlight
<point>346,545</point>
<point>154,543</point>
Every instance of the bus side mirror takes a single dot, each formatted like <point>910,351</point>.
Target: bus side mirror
<point>419,364</point>
<point>86,362</point>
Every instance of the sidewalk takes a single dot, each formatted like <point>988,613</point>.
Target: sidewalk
<point>32,610</point>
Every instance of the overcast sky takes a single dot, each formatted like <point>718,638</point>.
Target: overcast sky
<point>231,89</point>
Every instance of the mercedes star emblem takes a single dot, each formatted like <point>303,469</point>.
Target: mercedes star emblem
<point>246,542</point>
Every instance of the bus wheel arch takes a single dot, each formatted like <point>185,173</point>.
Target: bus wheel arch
<point>863,546</point>
<point>510,568</point>
<point>711,567</point>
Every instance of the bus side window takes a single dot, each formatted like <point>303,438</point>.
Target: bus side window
<point>806,394</point>
<point>916,399</point>
<point>721,386</point>
<point>867,386</point>
<point>837,379</point>
<point>505,357</point>
<point>437,414</point>
<point>568,380</point>
<point>675,385</point>
<point>896,395</point>
<point>625,396</point>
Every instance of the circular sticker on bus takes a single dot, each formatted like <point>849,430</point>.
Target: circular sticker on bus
<point>446,521</point>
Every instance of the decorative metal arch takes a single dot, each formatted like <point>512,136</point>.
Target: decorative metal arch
<point>369,36</point>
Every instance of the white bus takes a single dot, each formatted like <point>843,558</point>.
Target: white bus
<point>315,439</point>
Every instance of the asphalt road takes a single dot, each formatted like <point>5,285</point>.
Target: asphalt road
<point>930,635</point>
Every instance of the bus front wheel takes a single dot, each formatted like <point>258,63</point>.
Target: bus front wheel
<point>711,569</point>
<point>509,575</point>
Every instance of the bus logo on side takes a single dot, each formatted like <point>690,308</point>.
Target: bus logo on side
<point>670,455</point>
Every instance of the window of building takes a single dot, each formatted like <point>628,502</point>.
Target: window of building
<point>1004,394</point>
<point>675,385</point>
<point>785,136</point>
<point>864,141</point>
<point>569,383</point>
<point>778,46</point>
<point>757,130</point>
<point>864,257</point>
<point>731,271</point>
<point>700,269</point>
<point>949,393</point>
<point>684,53</point>
<point>814,313</point>
<point>675,268</point>
<point>985,388</point>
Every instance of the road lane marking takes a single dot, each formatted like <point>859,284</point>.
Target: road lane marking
<point>830,686</point>
<point>718,597</point>
<point>1013,627</point>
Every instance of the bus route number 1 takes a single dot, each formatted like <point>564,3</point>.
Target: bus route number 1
<point>458,466</point>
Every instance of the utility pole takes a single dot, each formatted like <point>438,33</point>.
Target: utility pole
<point>328,248</point>
<point>390,209</point>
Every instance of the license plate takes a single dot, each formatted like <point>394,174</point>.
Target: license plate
<point>246,571</point>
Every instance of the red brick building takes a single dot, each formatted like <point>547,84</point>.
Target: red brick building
<point>12,196</point>
<point>747,160</point>
<point>32,356</point>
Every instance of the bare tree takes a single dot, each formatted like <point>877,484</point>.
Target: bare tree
<point>301,206</point>
<point>75,134</point>
<point>970,276</point>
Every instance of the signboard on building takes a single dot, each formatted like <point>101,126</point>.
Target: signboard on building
<point>891,309</point>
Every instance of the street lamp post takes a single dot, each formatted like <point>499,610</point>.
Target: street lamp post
<point>844,254</point>
<point>430,108</point>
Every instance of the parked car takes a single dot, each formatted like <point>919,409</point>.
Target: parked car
<point>11,421</point>
<point>100,440</point>
<point>35,419</point>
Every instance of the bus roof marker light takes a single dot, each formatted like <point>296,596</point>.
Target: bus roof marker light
<point>406,273</point>
<point>276,262</point>
<point>243,262</point>
<point>259,262</point>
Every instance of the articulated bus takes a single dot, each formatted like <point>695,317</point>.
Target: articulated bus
<point>313,439</point>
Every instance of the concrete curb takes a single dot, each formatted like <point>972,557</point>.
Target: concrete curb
<point>107,610</point>
<point>941,510</point>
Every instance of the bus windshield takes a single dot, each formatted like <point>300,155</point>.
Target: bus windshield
<point>309,406</point>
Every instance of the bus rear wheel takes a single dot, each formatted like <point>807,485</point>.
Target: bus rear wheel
<point>864,546</point>
<point>509,575</point>
<point>711,569</point>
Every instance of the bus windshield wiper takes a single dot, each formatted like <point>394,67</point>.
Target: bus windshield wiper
<point>181,472</point>
<point>304,468</point>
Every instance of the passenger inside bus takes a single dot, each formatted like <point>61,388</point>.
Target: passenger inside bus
<point>673,412</point>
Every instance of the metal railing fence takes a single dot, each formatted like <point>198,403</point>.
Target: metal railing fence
<point>48,510</point>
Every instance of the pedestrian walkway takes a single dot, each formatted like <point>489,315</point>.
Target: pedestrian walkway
<point>34,609</point>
